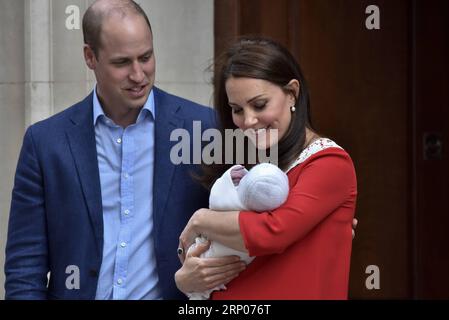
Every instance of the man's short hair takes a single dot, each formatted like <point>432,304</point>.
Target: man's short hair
<point>93,19</point>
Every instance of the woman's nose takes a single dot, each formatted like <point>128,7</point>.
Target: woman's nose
<point>250,120</point>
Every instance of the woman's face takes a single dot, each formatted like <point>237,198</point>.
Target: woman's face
<point>258,106</point>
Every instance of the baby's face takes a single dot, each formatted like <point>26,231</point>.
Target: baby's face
<point>237,174</point>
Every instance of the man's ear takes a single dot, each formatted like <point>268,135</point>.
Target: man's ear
<point>89,57</point>
<point>293,87</point>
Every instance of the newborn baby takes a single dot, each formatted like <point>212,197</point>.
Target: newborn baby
<point>263,188</point>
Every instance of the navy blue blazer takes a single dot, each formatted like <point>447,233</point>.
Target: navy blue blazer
<point>56,217</point>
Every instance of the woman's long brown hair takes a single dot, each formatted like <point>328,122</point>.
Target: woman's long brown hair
<point>260,58</point>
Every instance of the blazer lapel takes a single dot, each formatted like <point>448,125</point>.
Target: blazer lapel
<point>166,122</point>
<point>81,137</point>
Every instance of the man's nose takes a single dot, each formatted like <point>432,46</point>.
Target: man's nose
<point>137,75</point>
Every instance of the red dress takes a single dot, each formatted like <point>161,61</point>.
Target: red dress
<point>303,248</point>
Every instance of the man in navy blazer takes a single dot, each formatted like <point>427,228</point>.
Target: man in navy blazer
<point>98,205</point>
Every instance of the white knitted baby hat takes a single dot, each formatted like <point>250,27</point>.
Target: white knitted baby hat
<point>264,187</point>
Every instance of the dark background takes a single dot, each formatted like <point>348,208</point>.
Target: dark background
<point>383,95</point>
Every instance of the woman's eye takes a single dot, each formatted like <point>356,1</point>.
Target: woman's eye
<point>236,111</point>
<point>260,106</point>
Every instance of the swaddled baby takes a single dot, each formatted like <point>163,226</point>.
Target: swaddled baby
<point>263,188</point>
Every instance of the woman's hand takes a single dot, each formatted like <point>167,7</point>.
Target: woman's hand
<point>188,235</point>
<point>220,226</point>
<point>201,274</point>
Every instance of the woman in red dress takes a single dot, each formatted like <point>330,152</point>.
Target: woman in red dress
<point>303,248</point>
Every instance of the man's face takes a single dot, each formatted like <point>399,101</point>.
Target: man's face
<point>125,65</point>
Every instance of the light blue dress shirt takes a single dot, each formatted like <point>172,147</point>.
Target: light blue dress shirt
<point>126,165</point>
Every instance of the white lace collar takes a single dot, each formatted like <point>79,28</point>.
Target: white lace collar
<point>316,146</point>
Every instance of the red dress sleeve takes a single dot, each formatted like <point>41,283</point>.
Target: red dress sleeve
<point>318,187</point>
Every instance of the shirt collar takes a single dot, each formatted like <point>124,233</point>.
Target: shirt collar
<point>148,107</point>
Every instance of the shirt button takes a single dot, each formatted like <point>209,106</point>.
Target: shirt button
<point>119,140</point>
<point>126,176</point>
<point>119,281</point>
<point>123,244</point>
<point>126,212</point>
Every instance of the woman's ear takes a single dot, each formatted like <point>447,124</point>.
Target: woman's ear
<point>293,88</point>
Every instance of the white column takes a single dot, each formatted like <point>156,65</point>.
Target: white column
<point>38,60</point>
<point>12,106</point>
